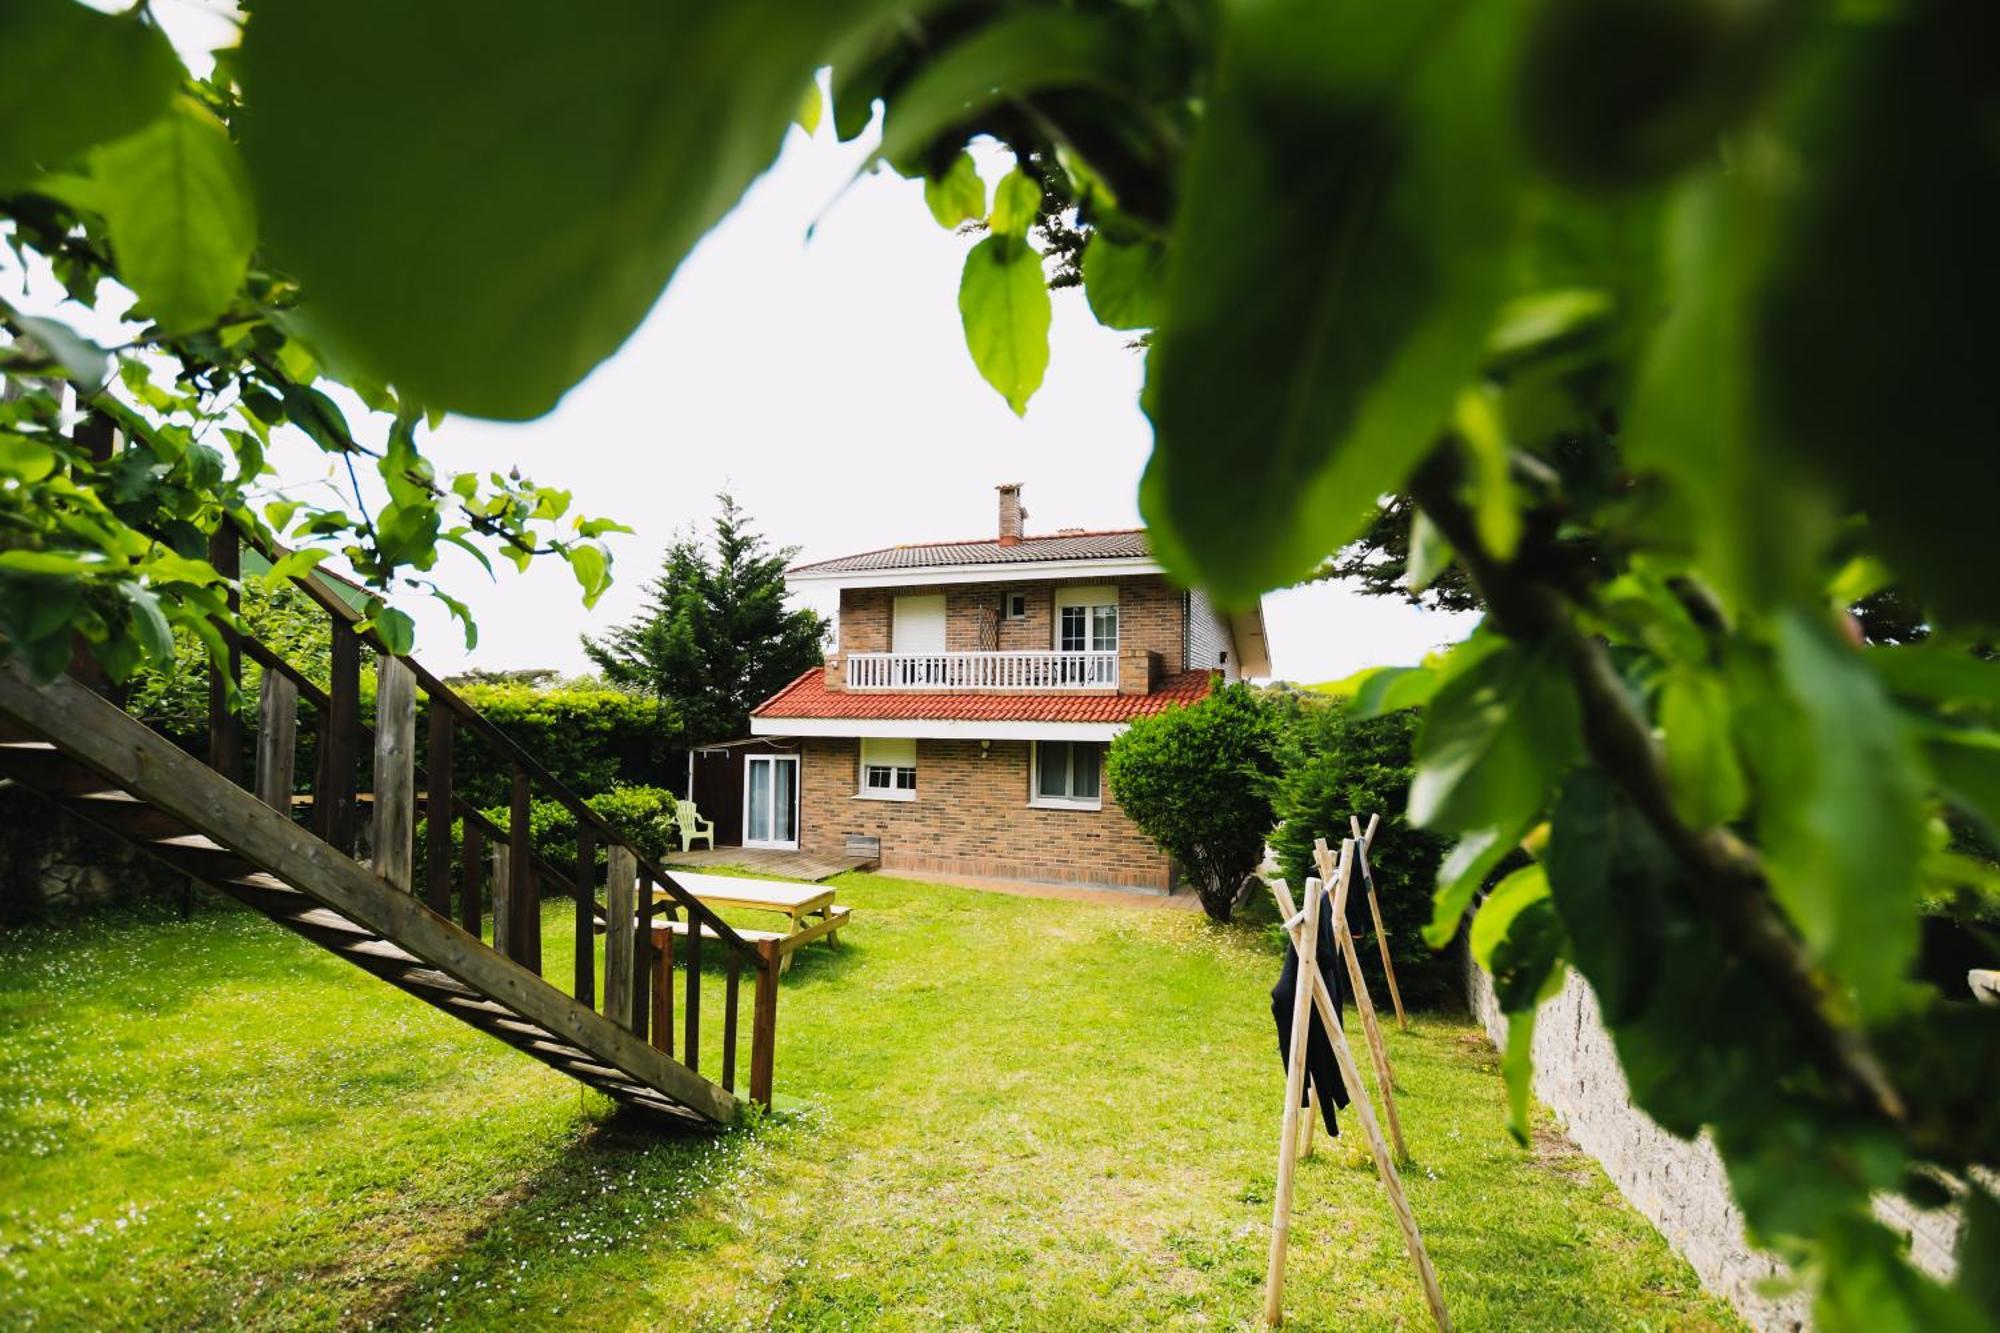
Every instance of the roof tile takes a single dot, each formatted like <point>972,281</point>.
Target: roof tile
<point>1123,543</point>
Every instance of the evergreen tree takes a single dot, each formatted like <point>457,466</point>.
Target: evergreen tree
<point>715,637</point>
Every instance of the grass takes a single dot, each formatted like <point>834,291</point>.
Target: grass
<point>1004,1113</point>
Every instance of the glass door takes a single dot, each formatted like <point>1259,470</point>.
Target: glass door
<point>771,800</point>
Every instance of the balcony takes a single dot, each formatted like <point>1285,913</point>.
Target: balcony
<point>982,671</point>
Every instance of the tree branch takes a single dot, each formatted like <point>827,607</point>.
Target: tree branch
<point>1725,877</point>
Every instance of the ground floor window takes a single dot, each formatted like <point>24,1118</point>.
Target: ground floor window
<point>889,769</point>
<point>1069,773</point>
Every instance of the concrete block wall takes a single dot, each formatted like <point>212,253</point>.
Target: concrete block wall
<point>1679,1186</point>
<point>971,816</point>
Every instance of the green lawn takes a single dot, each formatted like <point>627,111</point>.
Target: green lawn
<point>1003,1113</point>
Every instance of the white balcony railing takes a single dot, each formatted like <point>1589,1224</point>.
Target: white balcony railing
<point>982,671</point>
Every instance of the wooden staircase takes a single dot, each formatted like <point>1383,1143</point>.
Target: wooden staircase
<point>91,758</point>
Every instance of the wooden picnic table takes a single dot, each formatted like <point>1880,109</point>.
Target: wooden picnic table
<point>800,903</point>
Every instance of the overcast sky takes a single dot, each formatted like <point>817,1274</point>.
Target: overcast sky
<point>825,382</point>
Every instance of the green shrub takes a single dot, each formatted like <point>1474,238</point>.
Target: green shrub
<point>1197,781</point>
<point>1336,765</point>
<point>644,816</point>
<point>590,738</point>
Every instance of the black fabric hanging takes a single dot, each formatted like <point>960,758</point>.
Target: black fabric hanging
<point>1322,1070</point>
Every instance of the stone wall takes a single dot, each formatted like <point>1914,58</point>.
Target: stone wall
<point>53,864</point>
<point>1679,1186</point>
<point>971,816</point>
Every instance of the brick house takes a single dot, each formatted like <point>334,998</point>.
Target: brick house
<point>961,724</point>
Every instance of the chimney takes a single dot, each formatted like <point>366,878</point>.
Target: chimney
<point>1011,513</point>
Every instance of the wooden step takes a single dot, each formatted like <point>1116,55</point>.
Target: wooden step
<point>201,855</point>
<point>125,814</point>
<point>42,766</point>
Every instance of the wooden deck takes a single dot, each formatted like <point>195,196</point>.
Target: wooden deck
<point>769,861</point>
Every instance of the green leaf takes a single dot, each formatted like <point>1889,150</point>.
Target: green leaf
<point>1523,888</point>
<point>1430,553</point>
<point>155,636</point>
<point>1125,284</point>
<point>958,196</point>
<point>1016,201</point>
<point>1936,672</point>
<point>1622,92</point>
<point>1004,304</point>
<point>297,564</point>
<point>1028,50</point>
<point>1693,416</point>
<point>1607,871</point>
<point>1392,689</point>
<point>1496,517</point>
<point>592,567</point>
<point>489,281</point>
<point>395,629</point>
<point>81,359</point>
<point>320,417</point>
<point>811,104</point>
<point>1839,370</point>
<point>1464,869</point>
<point>1517,1068</point>
<point>1702,769</point>
<point>178,207</point>
<point>1840,808</point>
<point>47,562</point>
<point>75,78</point>
<point>1296,379</point>
<point>24,459</point>
<point>597,527</point>
<point>1495,740</point>
<point>1966,763</point>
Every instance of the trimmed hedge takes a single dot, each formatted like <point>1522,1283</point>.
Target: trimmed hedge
<point>591,738</point>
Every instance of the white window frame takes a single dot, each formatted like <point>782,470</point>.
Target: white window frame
<point>1091,600</point>
<point>1011,600</point>
<point>890,762</point>
<point>1039,801</point>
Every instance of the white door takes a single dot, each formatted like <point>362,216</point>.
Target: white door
<point>917,626</point>
<point>771,801</point>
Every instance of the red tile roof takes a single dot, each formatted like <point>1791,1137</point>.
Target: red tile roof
<point>1113,544</point>
<point>808,696</point>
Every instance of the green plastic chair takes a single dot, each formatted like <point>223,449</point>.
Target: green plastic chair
<point>693,827</point>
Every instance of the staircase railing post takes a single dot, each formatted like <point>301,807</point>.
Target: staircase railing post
<point>764,1024</point>
<point>277,739</point>
<point>225,725</point>
<point>393,839</point>
<point>642,956</point>
<point>437,810</point>
<point>691,1006</point>
<point>586,939</point>
<point>339,741</point>
<point>523,939</point>
<point>473,868</point>
<point>621,878</point>
<point>503,900</point>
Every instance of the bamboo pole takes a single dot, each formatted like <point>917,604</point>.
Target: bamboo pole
<point>1306,1119</point>
<point>1378,1050</point>
<point>1295,1088</point>
<point>1357,1097</point>
<point>1375,910</point>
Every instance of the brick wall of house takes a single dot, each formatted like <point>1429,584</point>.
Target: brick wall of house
<point>972,817</point>
<point>1151,615</point>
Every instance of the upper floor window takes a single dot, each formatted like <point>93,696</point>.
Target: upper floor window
<point>1087,620</point>
<point>1016,606</point>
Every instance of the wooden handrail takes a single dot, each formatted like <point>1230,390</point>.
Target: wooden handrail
<point>512,751</point>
